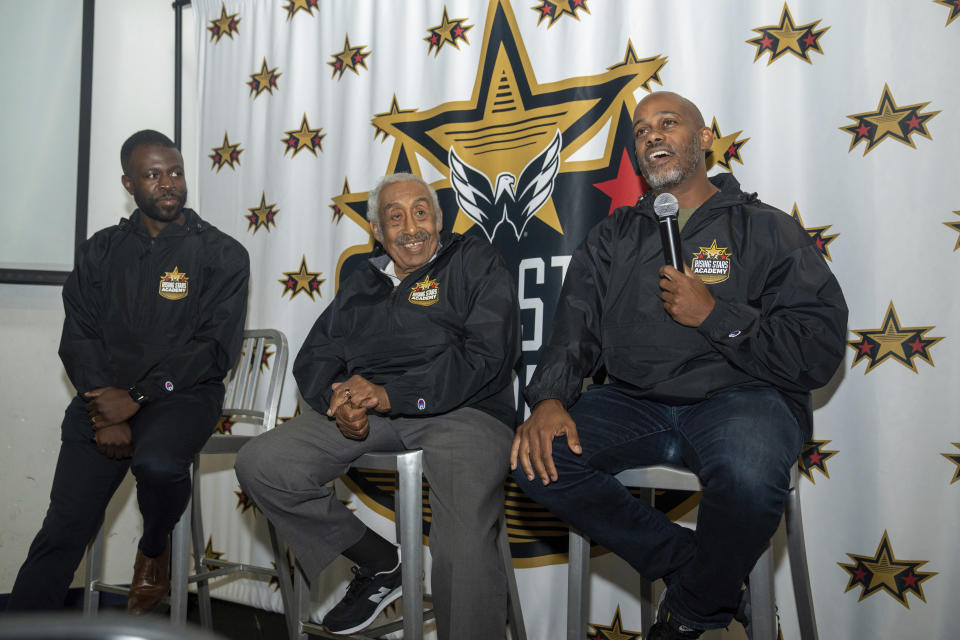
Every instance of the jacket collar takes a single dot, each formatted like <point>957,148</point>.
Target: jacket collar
<point>192,223</point>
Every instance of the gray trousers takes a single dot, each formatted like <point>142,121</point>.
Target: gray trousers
<point>286,472</point>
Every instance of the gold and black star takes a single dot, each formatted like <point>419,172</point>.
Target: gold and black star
<point>553,10</point>
<point>350,58</point>
<point>448,31</point>
<point>725,149</point>
<point>955,459</point>
<point>954,6</point>
<point>814,456</point>
<point>883,572</point>
<point>892,341</point>
<point>955,225</point>
<point>244,503</point>
<point>394,110</point>
<point>262,215</point>
<point>889,121</point>
<point>337,211</point>
<point>264,80</point>
<point>786,37</point>
<point>209,552</point>
<point>303,138</point>
<point>613,631</point>
<point>302,280</point>
<point>631,57</point>
<point>226,154</point>
<point>293,6</point>
<point>225,25</point>
<point>819,234</point>
<point>224,425</point>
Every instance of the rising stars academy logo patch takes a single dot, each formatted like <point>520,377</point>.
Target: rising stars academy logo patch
<point>174,285</point>
<point>955,225</point>
<point>814,456</point>
<point>954,6</point>
<point>264,80</point>
<point>711,264</point>
<point>777,40</point>
<point>892,341</point>
<point>225,25</point>
<point>351,58</point>
<point>884,572</point>
<point>297,140</point>
<point>613,631</point>
<point>725,148</point>
<point>447,32</point>
<point>889,121</point>
<point>263,215</point>
<point>226,154</point>
<point>302,281</point>
<point>819,234</point>
<point>293,6</point>
<point>553,10</point>
<point>955,459</point>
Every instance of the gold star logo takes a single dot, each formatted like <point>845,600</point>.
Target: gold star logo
<point>350,58</point>
<point>265,80</point>
<point>225,25</point>
<point>889,121</point>
<point>224,425</point>
<point>302,281</point>
<point>175,276</point>
<point>725,149</point>
<point>553,10</point>
<point>884,572</point>
<point>819,234</point>
<point>263,215</point>
<point>630,58</point>
<point>786,37</point>
<point>892,341</point>
<point>303,138</point>
<point>955,225</point>
<point>814,456</point>
<point>208,551</point>
<point>613,631</point>
<point>448,31</point>
<point>955,459</point>
<point>337,211</point>
<point>226,154</point>
<point>953,5</point>
<point>293,6</point>
<point>394,110</point>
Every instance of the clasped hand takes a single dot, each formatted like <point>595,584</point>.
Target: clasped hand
<point>350,402</point>
<point>109,409</point>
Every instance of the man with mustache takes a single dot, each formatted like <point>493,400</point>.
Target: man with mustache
<point>416,351</point>
<point>155,307</point>
<point>709,368</point>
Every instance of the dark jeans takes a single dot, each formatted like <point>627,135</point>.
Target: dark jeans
<point>167,434</point>
<point>740,443</point>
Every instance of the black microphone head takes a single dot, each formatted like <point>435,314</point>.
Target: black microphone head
<point>666,205</point>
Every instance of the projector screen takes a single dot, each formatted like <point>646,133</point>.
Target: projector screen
<point>47,49</point>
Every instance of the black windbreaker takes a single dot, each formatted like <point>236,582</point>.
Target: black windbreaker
<point>780,316</point>
<point>447,337</point>
<point>164,314</point>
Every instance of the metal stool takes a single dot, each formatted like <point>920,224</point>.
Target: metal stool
<point>409,516</point>
<point>251,394</point>
<point>763,607</point>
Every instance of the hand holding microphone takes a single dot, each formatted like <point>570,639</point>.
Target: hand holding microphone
<point>685,298</point>
<point>666,207</point>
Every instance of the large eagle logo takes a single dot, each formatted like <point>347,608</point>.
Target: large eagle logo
<point>509,199</point>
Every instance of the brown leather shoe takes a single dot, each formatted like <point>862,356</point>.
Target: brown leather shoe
<point>151,581</point>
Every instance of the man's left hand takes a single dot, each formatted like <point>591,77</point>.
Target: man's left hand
<point>110,405</point>
<point>359,392</point>
<point>352,421</point>
<point>684,296</point>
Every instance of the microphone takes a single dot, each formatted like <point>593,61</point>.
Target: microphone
<point>666,207</point>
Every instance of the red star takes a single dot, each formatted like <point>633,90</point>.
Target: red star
<point>910,580</point>
<point>316,139</point>
<point>458,31</point>
<point>292,142</point>
<point>863,130</point>
<point>434,39</point>
<point>314,284</point>
<point>860,574</point>
<point>914,122</point>
<point>732,151</point>
<point>290,283</point>
<point>816,457</point>
<point>625,188</point>
<point>916,345</point>
<point>820,243</point>
<point>865,347</point>
<point>337,64</point>
<point>809,40</point>
<point>577,3</point>
<point>546,9</point>
<point>358,58</point>
<point>767,42</point>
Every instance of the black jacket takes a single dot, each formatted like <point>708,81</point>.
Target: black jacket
<point>447,337</point>
<point>164,313</point>
<point>779,320</point>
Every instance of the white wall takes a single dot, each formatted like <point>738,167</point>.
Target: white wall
<point>133,74</point>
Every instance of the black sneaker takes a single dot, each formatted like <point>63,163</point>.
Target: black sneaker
<point>668,627</point>
<point>367,595</point>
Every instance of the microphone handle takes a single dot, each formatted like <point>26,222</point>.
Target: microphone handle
<point>670,237</point>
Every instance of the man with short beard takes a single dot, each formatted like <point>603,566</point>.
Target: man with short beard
<point>416,351</point>
<point>709,368</point>
<point>155,307</point>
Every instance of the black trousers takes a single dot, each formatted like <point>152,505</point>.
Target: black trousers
<point>167,434</point>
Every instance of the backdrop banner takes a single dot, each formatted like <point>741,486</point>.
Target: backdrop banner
<point>843,115</point>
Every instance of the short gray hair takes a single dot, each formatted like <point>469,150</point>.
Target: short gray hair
<point>373,200</point>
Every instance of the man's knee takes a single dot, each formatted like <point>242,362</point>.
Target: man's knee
<point>157,468</point>
<point>252,466</point>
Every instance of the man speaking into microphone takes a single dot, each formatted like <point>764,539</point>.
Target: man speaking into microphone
<point>709,366</point>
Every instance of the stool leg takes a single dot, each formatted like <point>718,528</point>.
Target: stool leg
<point>282,561</point>
<point>648,606</point>
<point>763,615</point>
<point>180,567</point>
<point>410,514</point>
<point>578,585</point>
<point>797,553</point>
<point>301,603</point>
<point>93,573</point>
<point>517,629</point>
<point>199,548</point>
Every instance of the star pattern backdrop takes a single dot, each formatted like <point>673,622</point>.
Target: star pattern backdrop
<point>304,104</point>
